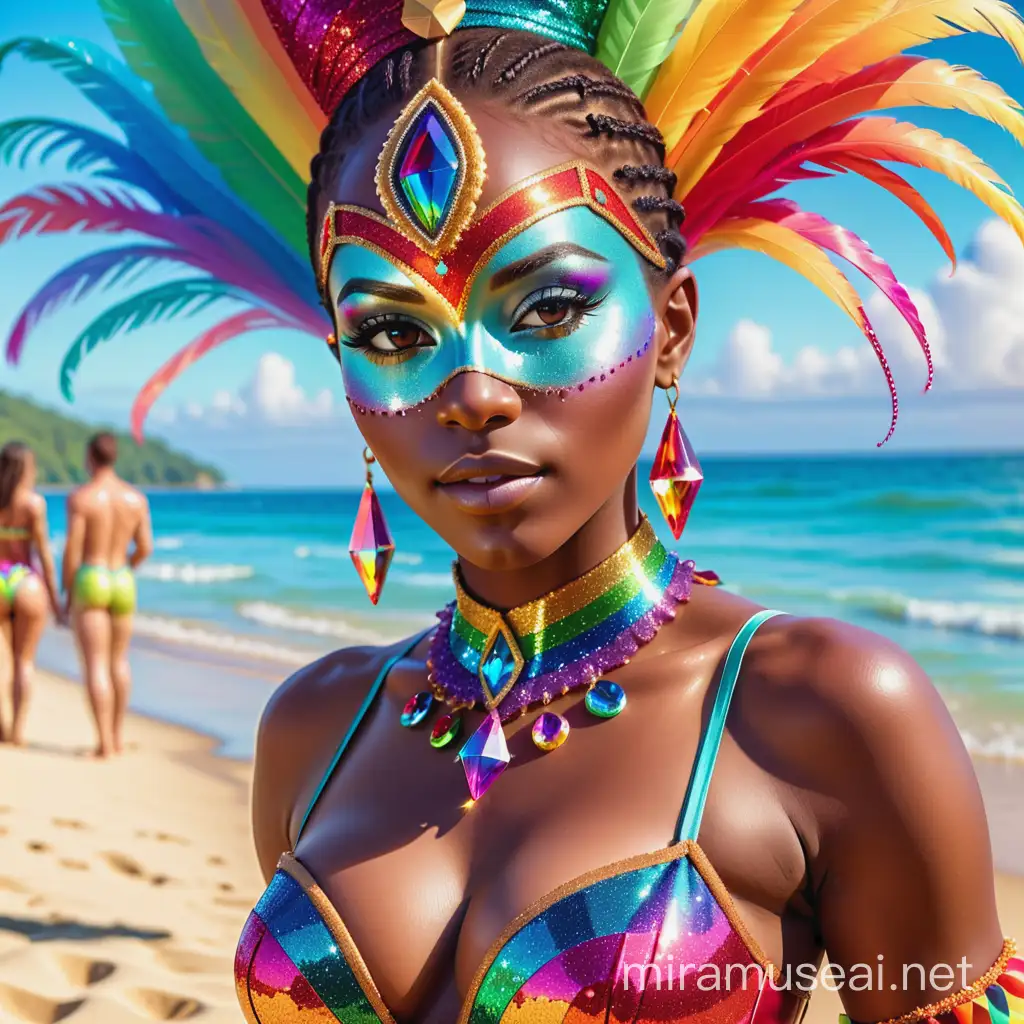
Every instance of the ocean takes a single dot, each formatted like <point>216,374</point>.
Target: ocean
<point>244,586</point>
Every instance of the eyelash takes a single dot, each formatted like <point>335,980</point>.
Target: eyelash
<point>572,297</point>
<point>372,326</point>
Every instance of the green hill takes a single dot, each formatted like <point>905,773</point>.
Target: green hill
<point>59,445</point>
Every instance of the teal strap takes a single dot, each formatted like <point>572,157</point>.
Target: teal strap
<point>688,825</point>
<point>364,708</point>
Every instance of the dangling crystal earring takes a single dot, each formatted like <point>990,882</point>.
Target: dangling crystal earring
<point>371,546</point>
<point>676,476</point>
<point>332,344</point>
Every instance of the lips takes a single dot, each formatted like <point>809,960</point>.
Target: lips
<point>487,484</point>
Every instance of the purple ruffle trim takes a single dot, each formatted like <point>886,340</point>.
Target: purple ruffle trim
<point>459,686</point>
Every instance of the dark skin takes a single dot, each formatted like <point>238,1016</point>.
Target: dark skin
<point>844,814</point>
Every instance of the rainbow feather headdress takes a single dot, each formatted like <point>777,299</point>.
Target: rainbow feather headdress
<point>749,95</point>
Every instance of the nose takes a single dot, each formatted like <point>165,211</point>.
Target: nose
<point>476,401</point>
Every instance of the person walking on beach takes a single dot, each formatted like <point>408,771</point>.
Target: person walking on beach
<point>24,593</point>
<point>109,536</point>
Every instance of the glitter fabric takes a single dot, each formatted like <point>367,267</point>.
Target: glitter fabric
<point>638,940</point>
<point>333,43</point>
<point>566,639</point>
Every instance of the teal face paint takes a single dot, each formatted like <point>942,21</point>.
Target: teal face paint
<point>559,306</point>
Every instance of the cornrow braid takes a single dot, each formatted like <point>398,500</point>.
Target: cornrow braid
<point>554,81</point>
<point>648,172</point>
<point>524,61</point>
<point>603,124</point>
<point>585,85</point>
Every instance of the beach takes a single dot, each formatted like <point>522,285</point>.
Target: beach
<point>124,884</point>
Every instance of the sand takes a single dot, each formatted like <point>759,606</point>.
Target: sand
<point>124,885</point>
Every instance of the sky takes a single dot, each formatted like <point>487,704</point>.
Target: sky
<point>777,367</point>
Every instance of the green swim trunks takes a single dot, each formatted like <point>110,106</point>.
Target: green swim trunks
<point>99,587</point>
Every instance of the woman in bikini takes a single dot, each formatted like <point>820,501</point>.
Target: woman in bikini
<point>28,582</point>
<point>601,788</point>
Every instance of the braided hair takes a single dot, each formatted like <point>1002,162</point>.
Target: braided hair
<point>537,77</point>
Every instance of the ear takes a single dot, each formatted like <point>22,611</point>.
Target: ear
<point>676,309</point>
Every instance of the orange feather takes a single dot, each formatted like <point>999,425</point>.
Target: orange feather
<point>911,23</point>
<point>813,30</point>
<point>718,38</point>
<point>786,246</point>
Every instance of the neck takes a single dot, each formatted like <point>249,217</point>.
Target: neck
<point>103,473</point>
<point>600,537</point>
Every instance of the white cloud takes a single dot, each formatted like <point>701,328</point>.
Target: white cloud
<point>272,397</point>
<point>974,320</point>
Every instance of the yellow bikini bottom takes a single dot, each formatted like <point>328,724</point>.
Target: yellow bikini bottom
<point>99,587</point>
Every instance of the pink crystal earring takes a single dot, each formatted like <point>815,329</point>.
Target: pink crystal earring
<point>371,546</point>
<point>676,476</point>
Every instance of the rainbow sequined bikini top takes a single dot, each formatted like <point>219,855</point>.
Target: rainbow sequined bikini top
<point>625,943</point>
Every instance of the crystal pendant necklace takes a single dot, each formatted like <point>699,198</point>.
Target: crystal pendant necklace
<point>510,662</point>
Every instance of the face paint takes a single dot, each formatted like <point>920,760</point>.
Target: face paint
<point>561,305</point>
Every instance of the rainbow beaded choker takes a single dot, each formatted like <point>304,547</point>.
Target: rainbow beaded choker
<point>515,660</point>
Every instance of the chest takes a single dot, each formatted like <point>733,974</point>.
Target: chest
<point>427,888</point>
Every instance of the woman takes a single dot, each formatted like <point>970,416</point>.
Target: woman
<point>494,220</point>
<point>24,543</point>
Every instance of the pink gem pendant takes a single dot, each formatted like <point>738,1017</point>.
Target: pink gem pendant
<point>371,546</point>
<point>485,755</point>
<point>676,476</point>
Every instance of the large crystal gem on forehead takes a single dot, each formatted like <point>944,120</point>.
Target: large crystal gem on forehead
<point>428,170</point>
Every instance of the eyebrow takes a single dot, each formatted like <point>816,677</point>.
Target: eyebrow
<point>521,268</point>
<point>394,292</point>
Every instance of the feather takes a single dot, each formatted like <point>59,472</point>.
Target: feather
<point>226,330</point>
<point>635,38</point>
<point>788,247</point>
<point>911,23</point>
<point>900,81</point>
<point>120,97</point>
<point>173,298</point>
<point>821,23</point>
<point>845,244</point>
<point>718,38</point>
<point>160,49</point>
<point>234,51</point>
<point>87,151</point>
<point>899,187</point>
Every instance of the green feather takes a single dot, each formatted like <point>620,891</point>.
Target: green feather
<point>159,48</point>
<point>637,36</point>
<point>188,296</point>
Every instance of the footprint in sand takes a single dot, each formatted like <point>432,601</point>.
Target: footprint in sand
<point>69,823</point>
<point>164,1005</point>
<point>124,865</point>
<point>162,837</point>
<point>10,885</point>
<point>37,1009</point>
<point>73,865</point>
<point>216,861</point>
<point>37,846</point>
<point>82,971</point>
<point>226,887</point>
<point>4,830</point>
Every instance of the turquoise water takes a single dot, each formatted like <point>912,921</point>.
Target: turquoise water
<point>927,551</point>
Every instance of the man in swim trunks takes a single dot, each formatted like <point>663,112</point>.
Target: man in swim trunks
<point>106,518</point>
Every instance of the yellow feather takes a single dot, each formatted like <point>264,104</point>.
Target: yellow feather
<point>715,42</point>
<point>922,147</point>
<point>786,246</point>
<point>822,24</point>
<point>934,83</point>
<point>234,52</point>
<point>911,23</point>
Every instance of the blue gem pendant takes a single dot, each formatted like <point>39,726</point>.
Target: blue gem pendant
<point>605,699</point>
<point>431,171</point>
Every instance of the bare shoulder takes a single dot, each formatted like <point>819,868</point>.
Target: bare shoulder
<point>132,496</point>
<point>36,505</point>
<point>306,718</point>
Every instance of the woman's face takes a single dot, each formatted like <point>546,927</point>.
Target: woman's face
<point>508,461</point>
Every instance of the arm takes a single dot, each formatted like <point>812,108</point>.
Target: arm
<point>41,542</point>
<point>142,540</point>
<point>73,547</point>
<point>903,877</point>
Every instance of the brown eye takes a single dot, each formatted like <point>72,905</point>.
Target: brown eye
<point>398,336</point>
<point>553,312</point>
